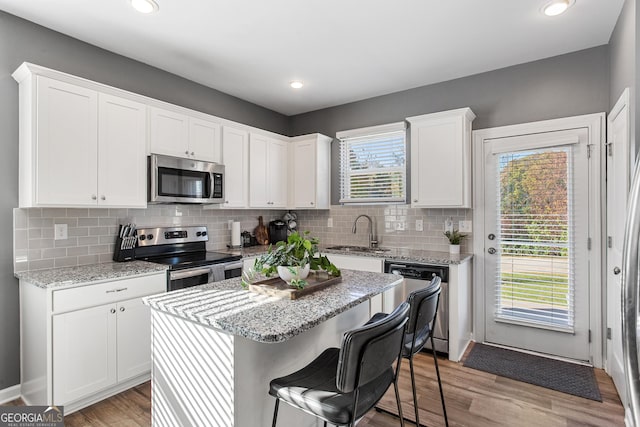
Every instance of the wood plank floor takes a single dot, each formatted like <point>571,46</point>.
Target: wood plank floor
<point>474,399</point>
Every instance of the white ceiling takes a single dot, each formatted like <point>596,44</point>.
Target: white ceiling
<point>344,50</point>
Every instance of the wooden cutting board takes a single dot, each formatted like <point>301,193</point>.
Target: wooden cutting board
<point>261,233</point>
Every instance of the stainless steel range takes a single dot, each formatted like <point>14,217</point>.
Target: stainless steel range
<point>183,249</point>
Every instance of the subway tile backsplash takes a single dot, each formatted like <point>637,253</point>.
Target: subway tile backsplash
<point>92,232</point>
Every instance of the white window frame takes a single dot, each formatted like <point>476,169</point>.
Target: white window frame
<point>362,134</point>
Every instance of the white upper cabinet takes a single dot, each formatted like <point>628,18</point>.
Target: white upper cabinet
<point>235,157</point>
<point>311,172</point>
<point>79,147</point>
<point>268,174</point>
<point>441,159</point>
<point>180,135</point>
<point>122,169</point>
<point>62,153</point>
<point>204,140</point>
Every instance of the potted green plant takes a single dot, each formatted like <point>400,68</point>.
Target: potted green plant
<point>292,260</point>
<point>455,238</point>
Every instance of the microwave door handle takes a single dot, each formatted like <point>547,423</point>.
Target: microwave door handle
<point>177,275</point>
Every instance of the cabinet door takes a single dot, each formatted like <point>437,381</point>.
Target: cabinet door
<point>122,166</point>
<point>235,157</point>
<point>204,140</point>
<point>278,173</point>
<point>169,133</point>
<point>258,172</point>
<point>84,353</point>
<point>67,143</point>
<point>134,339</point>
<point>305,175</point>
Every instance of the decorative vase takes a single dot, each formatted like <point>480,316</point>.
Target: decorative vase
<point>454,249</point>
<point>288,273</point>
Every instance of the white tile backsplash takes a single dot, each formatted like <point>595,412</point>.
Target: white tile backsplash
<point>92,232</point>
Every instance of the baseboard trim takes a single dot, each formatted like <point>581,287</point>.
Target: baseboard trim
<point>10,393</point>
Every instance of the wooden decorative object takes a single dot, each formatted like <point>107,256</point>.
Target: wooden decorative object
<point>261,233</point>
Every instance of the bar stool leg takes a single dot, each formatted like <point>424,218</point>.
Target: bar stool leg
<point>395,386</point>
<point>413,388</point>
<point>275,413</point>
<point>435,360</point>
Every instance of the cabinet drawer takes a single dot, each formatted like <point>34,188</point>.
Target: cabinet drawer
<point>107,292</point>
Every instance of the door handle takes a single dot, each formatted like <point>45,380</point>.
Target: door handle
<point>616,270</point>
<point>491,250</point>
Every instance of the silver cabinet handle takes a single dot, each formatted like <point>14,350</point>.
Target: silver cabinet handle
<point>311,203</point>
<point>491,250</point>
<point>121,308</point>
<point>94,197</point>
<point>616,270</point>
<point>193,154</point>
<point>110,291</point>
<point>113,310</point>
<point>186,152</point>
<point>226,201</point>
<point>415,200</point>
<point>103,198</point>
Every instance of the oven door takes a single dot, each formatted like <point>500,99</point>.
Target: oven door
<point>187,278</point>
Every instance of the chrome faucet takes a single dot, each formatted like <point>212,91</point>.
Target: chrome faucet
<point>373,243</point>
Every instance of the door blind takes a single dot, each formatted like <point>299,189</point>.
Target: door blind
<point>373,168</point>
<point>535,276</point>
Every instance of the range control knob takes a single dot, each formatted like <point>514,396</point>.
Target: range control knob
<point>143,237</point>
<point>204,233</point>
<point>199,233</point>
<point>149,236</point>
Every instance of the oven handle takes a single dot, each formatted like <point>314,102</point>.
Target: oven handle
<point>177,275</point>
<point>233,265</point>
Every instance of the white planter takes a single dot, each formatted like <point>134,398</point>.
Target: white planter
<point>289,273</point>
<point>454,249</point>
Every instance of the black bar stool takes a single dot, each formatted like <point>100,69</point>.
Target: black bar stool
<point>343,384</point>
<point>422,316</point>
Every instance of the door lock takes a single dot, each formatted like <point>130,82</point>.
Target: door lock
<point>491,250</point>
<point>491,236</point>
<point>616,270</point>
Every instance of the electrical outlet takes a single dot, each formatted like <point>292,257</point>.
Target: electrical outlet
<point>60,231</point>
<point>465,226</point>
<point>419,225</point>
<point>229,224</point>
<point>448,225</point>
<point>329,222</point>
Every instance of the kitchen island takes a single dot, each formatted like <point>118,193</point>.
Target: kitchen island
<point>216,347</point>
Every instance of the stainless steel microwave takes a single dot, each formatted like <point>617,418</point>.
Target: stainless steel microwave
<point>176,180</point>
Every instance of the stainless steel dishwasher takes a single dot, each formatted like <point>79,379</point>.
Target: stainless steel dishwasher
<point>416,276</point>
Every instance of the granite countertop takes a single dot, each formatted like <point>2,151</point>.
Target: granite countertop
<point>397,254</point>
<point>226,305</point>
<point>68,276</point>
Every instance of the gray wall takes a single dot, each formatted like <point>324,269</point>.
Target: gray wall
<point>21,41</point>
<point>622,51</point>
<point>567,85</point>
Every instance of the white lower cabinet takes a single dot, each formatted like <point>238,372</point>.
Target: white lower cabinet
<point>84,353</point>
<point>82,344</point>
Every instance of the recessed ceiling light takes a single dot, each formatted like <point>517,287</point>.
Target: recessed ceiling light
<point>145,6</point>
<point>296,84</point>
<point>557,7</point>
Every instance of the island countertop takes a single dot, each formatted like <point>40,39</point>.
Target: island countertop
<point>227,306</point>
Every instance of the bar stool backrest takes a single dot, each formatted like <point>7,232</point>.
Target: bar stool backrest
<point>422,315</point>
<point>369,351</point>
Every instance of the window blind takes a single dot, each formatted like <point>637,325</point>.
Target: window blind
<point>373,168</point>
<point>535,274</point>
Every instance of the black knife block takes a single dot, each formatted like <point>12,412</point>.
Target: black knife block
<point>127,254</point>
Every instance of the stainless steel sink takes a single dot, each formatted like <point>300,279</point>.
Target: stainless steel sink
<point>348,248</point>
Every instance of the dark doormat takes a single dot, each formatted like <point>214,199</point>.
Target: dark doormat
<point>566,377</point>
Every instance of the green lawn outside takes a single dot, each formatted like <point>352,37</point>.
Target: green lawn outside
<point>516,283</point>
